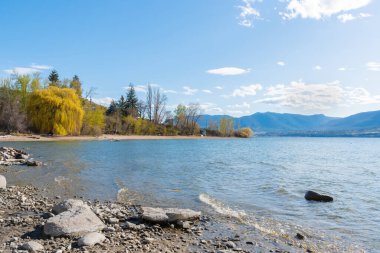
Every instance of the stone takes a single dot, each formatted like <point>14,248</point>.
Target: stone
<point>91,239</point>
<point>231,244</point>
<point>299,236</point>
<point>314,196</point>
<point>75,221</point>
<point>168,215</point>
<point>66,205</point>
<point>32,246</point>
<point>33,163</point>
<point>3,182</point>
<point>184,224</point>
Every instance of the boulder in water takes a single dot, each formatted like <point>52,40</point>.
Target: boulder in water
<point>314,196</point>
<point>168,215</point>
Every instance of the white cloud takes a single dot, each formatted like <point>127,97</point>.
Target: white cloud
<point>249,90</point>
<point>317,67</point>
<point>207,91</point>
<point>318,9</point>
<point>316,97</point>
<point>281,63</point>
<point>218,87</point>
<point>349,17</point>
<point>139,88</point>
<point>41,67</point>
<point>228,71</point>
<point>169,91</point>
<point>106,101</point>
<point>243,105</point>
<point>189,91</point>
<point>373,66</point>
<point>210,108</point>
<point>27,70</point>
<point>247,13</point>
<point>342,69</point>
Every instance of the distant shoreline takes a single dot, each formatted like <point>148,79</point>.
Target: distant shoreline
<point>110,137</point>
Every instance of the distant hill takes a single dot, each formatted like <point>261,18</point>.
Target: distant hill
<point>297,124</point>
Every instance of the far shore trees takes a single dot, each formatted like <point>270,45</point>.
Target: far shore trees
<point>55,111</point>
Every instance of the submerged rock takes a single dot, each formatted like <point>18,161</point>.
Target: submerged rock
<point>168,215</point>
<point>75,221</point>
<point>3,182</point>
<point>91,239</point>
<point>310,195</point>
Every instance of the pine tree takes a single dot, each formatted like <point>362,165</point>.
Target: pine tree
<point>54,78</point>
<point>131,105</point>
<point>76,85</point>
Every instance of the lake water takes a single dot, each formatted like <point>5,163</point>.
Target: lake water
<point>260,181</point>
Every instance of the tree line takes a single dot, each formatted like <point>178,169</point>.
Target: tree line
<point>30,104</point>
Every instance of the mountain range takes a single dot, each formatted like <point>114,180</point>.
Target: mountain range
<point>270,123</point>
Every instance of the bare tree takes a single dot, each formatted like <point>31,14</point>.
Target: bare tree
<point>159,106</point>
<point>193,112</point>
<point>149,102</point>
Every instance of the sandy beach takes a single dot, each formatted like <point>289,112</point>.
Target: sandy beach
<point>11,138</point>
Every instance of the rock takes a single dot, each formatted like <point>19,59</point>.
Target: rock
<point>66,205</point>
<point>113,220</point>
<point>3,182</point>
<point>230,244</point>
<point>165,215</point>
<point>33,163</point>
<point>75,221</point>
<point>133,226</point>
<point>91,239</point>
<point>184,224</point>
<point>299,236</point>
<point>32,246</point>
<point>310,195</point>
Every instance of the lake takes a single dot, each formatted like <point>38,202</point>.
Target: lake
<point>260,181</point>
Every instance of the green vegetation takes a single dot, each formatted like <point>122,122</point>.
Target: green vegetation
<point>59,108</point>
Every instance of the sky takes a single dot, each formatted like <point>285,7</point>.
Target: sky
<point>233,57</point>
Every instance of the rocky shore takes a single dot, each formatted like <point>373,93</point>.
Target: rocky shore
<point>30,222</point>
<point>12,156</point>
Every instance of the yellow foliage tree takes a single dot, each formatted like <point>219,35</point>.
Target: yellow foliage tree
<point>94,118</point>
<point>55,111</point>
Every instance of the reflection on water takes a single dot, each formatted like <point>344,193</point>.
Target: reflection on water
<point>264,178</point>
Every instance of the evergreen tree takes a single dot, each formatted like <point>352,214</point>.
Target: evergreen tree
<point>53,78</point>
<point>131,105</point>
<point>76,85</point>
<point>112,108</point>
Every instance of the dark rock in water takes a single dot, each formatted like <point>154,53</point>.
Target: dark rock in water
<point>33,163</point>
<point>300,237</point>
<point>310,195</point>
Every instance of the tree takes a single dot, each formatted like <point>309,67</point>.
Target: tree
<point>159,106</point>
<point>149,102</point>
<point>226,126</point>
<point>36,82</point>
<point>12,116</point>
<point>93,120</point>
<point>245,132</point>
<point>76,85</point>
<point>23,83</point>
<point>53,78</point>
<point>131,103</point>
<point>55,111</point>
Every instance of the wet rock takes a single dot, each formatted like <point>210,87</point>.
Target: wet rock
<point>91,239</point>
<point>300,236</point>
<point>33,163</point>
<point>314,196</point>
<point>67,205</point>
<point>184,224</point>
<point>77,220</point>
<point>165,215</point>
<point>32,246</point>
<point>3,182</point>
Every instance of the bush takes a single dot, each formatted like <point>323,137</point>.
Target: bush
<point>244,133</point>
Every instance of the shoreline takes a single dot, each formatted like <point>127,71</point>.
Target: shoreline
<point>104,137</point>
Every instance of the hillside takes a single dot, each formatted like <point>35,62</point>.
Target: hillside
<point>285,123</point>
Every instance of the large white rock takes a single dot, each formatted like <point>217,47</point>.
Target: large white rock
<point>3,182</point>
<point>165,215</point>
<point>67,205</point>
<point>32,246</point>
<point>78,220</point>
<point>91,239</point>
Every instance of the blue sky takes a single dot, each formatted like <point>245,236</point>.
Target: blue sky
<point>231,56</point>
